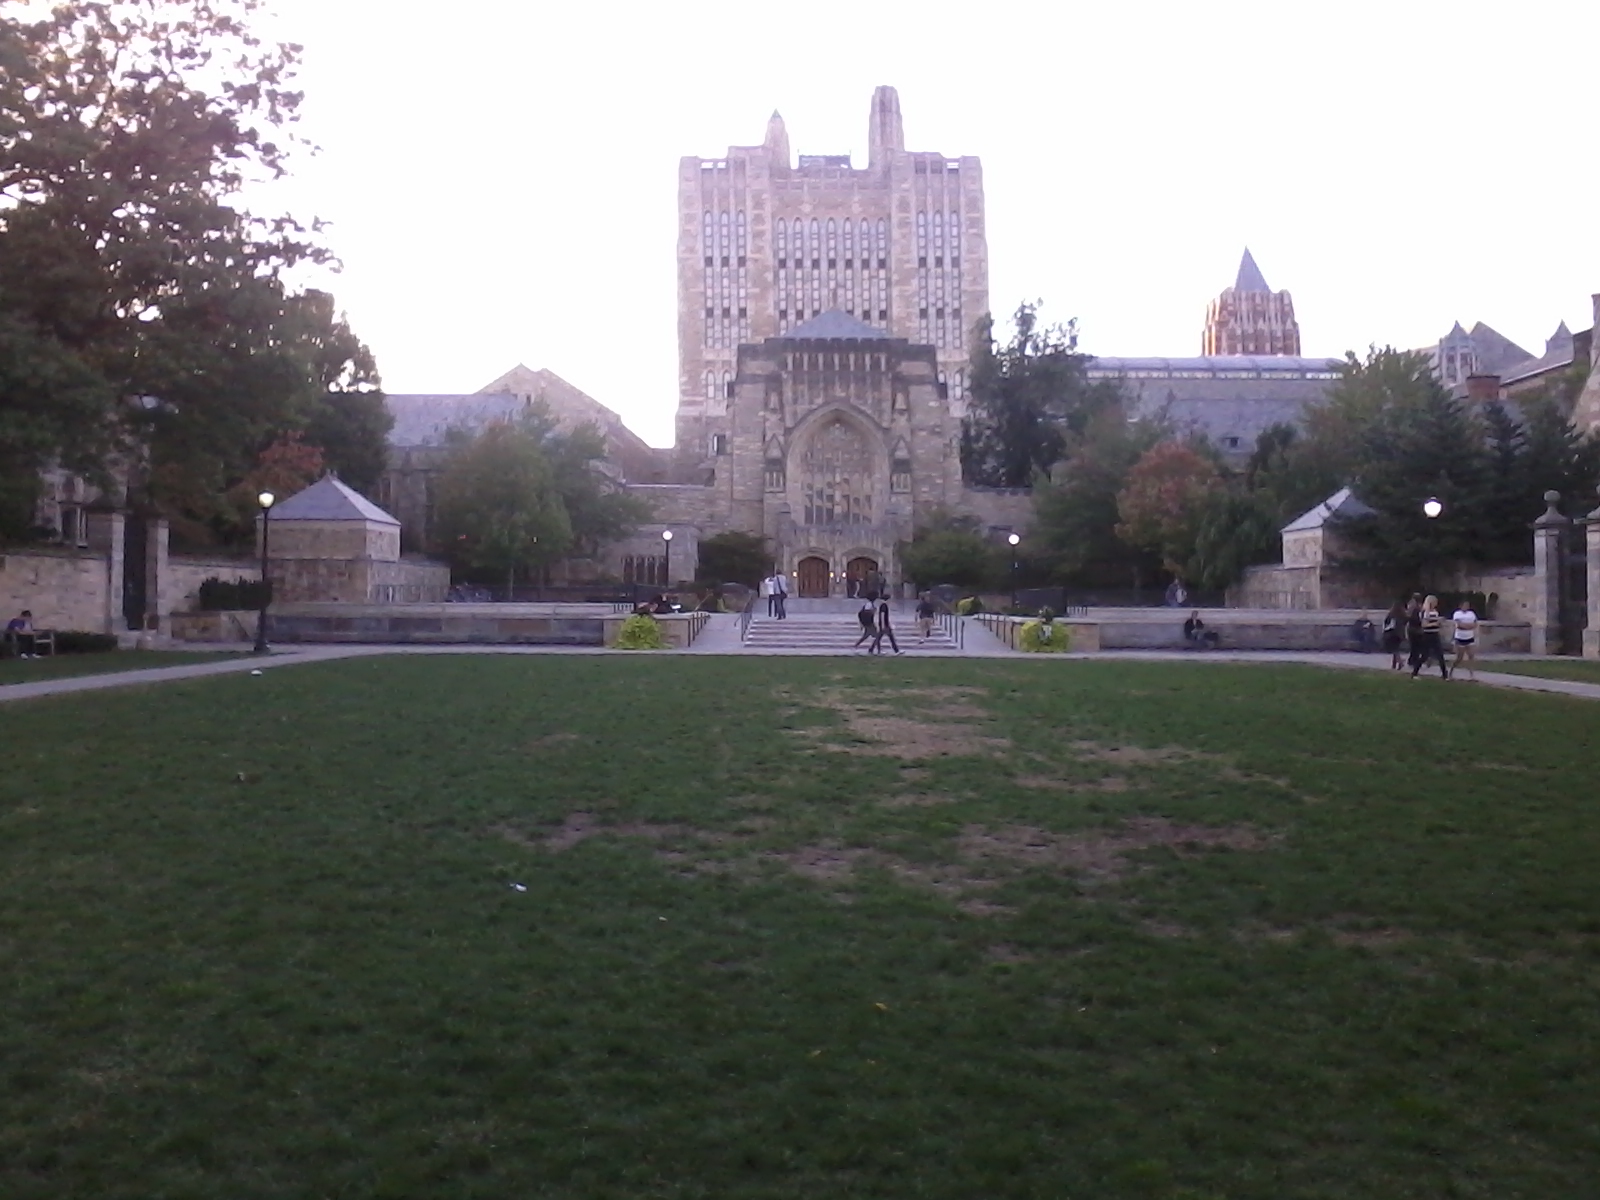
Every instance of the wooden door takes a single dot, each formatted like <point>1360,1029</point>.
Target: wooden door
<point>811,577</point>
<point>864,572</point>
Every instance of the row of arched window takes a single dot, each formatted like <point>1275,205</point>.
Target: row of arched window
<point>724,249</point>
<point>823,264</point>
<point>939,320</point>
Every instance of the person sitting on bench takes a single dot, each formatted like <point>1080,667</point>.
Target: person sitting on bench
<point>19,635</point>
<point>1196,633</point>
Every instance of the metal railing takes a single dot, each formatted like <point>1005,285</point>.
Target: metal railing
<point>745,617</point>
<point>953,626</point>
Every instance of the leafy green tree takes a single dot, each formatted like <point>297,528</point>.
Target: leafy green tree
<point>127,130</point>
<point>948,549</point>
<point>1234,528</point>
<point>734,557</point>
<point>1027,400</point>
<point>498,505</point>
<point>598,510</point>
<point>1075,510</point>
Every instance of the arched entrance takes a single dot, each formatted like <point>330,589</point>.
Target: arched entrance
<point>811,577</point>
<point>861,576</point>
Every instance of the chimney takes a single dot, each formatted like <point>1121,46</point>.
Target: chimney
<point>1481,389</point>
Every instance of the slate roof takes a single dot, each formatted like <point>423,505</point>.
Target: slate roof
<point>1342,504</point>
<point>424,420</point>
<point>1559,351</point>
<point>329,500</point>
<point>1250,278</point>
<point>1230,399</point>
<point>834,325</point>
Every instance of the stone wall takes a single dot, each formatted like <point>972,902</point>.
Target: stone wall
<point>334,539</point>
<point>999,508</point>
<point>65,589</point>
<point>1517,589</point>
<point>180,582</point>
<point>358,581</point>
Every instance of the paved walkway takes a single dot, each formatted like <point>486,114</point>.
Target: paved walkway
<point>721,636</point>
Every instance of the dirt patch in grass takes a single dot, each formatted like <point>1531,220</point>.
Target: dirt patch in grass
<point>880,727</point>
<point>581,826</point>
<point>1006,954</point>
<point>1135,756</point>
<point>1108,783</point>
<point>1102,854</point>
<point>917,800</point>
<point>551,741</point>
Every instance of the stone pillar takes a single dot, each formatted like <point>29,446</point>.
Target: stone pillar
<point>156,566</point>
<point>1591,632</point>
<point>1548,537</point>
<point>106,532</point>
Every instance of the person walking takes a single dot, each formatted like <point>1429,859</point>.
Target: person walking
<point>884,629</point>
<point>868,618</point>
<point>1414,629</point>
<point>925,615</point>
<point>769,589</point>
<point>780,586</point>
<point>1465,639</point>
<point>1430,622</point>
<point>1394,635</point>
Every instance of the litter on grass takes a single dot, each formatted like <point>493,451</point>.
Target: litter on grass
<point>519,887</point>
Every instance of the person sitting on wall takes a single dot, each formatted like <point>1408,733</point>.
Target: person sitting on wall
<point>1196,633</point>
<point>19,635</point>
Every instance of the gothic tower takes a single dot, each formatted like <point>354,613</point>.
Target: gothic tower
<point>766,243</point>
<point>1250,318</point>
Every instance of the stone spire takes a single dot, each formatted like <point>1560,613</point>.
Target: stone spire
<point>777,140</point>
<point>885,133</point>
<point>1250,278</point>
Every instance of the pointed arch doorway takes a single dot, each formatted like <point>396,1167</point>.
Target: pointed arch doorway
<point>862,577</point>
<point>811,577</point>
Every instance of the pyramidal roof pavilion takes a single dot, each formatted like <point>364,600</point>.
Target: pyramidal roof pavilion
<point>330,500</point>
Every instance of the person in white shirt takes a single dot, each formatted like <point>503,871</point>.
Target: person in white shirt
<point>780,587</point>
<point>1465,638</point>
<point>769,589</point>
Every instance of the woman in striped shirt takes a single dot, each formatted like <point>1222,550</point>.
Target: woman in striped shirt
<point>1432,651</point>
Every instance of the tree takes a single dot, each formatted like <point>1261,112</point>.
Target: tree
<point>1235,528</point>
<point>1075,510</point>
<point>145,317</point>
<point>597,510</point>
<point>1163,499</point>
<point>498,505</point>
<point>948,549</point>
<point>1027,400</point>
<point>734,557</point>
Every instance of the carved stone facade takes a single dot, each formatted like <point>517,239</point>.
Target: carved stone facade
<point>1250,318</point>
<point>765,244</point>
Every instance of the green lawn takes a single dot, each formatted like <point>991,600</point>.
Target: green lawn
<point>799,928</point>
<point>1581,670</point>
<point>63,666</point>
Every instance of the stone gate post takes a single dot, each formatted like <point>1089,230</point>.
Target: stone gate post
<point>1548,533</point>
<point>1591,631</point>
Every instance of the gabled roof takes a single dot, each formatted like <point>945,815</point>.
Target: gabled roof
<point>1250,278</point>
<point>329,500</point>
<point>834,325</point>
<point>424,420</point>
<point>1342,504</point>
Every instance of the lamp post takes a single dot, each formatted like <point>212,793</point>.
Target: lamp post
<point>1013,540</point>
<point>666,564</point>
<point>265,500</point>
<point>1431,508</point>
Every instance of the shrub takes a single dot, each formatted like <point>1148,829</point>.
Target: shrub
<point>1044,637</point>
<point>970,606</point>
<point>640,632</point>
<point>76,641</point>
<point>233,595</point>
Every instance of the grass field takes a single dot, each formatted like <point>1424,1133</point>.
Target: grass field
<point>63,666</point>
<point>589,927</point>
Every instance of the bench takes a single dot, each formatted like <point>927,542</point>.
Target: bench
<point>43,642</point>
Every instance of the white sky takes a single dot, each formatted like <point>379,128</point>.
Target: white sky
<point>501,176</point>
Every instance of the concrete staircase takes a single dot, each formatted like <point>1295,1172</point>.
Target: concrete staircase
<point>835,633</point>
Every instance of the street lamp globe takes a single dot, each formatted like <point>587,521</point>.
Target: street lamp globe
<point>1014,539</point>
<point>266,500</point>
<point>666,535</point>
<point>1432,507</point>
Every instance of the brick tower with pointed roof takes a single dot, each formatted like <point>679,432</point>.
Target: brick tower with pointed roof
<point>1251,318</point>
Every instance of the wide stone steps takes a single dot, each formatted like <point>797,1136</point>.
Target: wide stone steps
<point>837,632</point>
